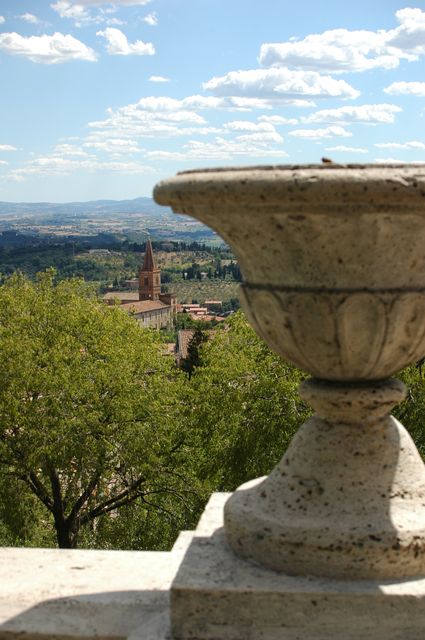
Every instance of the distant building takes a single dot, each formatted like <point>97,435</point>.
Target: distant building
<point>194,310</point>
<point>213,305</point>
<point>150,307</point>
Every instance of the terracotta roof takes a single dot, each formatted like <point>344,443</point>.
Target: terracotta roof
<point>149,261</point>
<point>208,318</point>
<point>144,305</point>
<point>121,295</point>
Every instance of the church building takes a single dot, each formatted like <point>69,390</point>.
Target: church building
<point>150,307</point>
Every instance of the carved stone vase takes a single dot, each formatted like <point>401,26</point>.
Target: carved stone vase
<point>333,259</point>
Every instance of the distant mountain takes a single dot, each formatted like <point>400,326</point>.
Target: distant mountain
<point>93,208</point>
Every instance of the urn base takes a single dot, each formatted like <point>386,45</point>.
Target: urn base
<point>347,501</point>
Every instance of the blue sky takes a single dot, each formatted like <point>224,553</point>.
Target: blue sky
<point>103,99</point>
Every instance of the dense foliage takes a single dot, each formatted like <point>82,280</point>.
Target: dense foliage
<point>86,399</point>
<point>243,406</point>
<point>411,412</point>
<point>103,442</point>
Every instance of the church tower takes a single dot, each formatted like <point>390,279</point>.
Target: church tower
<point>149,277</point>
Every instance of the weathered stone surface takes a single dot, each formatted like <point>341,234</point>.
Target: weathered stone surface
<point>343,334</point>
<point>218,596</point>
<point>345,502</point>
<point>51,593</point>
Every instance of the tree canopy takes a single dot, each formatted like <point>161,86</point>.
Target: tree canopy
<point>243,406</point>
<point>103,442</point>
<point>86,398</point>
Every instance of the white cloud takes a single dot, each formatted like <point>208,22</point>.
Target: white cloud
<point>158,79</point>
<point>247,125</point>
<point>263,132</point>
<point>332,51</point>
<point>158,117</point>
<point>410,35</point>
<point>236,103</point>
<point>3,162</point>
<point>406,88</point>
<point>162,116</point>
<point>114,145</point>
<point>278,120</point>
<point>118,44</point>
<point>150,118</point>
<point>222,149</point>
<point>81,11</point>
<point>29,17</point>
<point>165,155</point>
<point>47,165</point>
<point>56,166</point>
<point>72,11</point>
<point>69,150</point>
<point>2,19</point>
<point>263,137</point>
<point>151,19</point>
<point>365,113</point>
<point>114,3</point>
<point>276,85</point>
<point>77,10</point>
<point>315,134</point>
<point>413,144</point>
<point>166,105</point>
<point>46,49</point>
<point>7,147</point>
<point>344,50</point>
<point>343,149</point>
<point>397,161</point>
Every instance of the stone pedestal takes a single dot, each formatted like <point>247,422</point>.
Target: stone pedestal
<point>334,282</point>
<point>347,500</point>
<point>217,595</point>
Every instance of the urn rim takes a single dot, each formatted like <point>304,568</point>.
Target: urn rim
<point>319,188</point>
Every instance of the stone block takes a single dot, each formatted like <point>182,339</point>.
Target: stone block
<point>76,595</point>
<point>218,596</point>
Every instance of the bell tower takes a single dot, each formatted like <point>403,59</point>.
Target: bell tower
<point>149,277</point>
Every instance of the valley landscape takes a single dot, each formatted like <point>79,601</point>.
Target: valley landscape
<point>103,242</point>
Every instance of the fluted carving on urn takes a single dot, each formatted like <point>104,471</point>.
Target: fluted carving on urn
<point>340,335</point>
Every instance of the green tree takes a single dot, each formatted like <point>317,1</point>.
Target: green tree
<point>22,516</point>
<point>87,407</point>
<point>243,406</point>
<point>411,412</point>
<point>185,321</point>
<point>193,359</point>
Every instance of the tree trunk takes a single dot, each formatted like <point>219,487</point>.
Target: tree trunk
<point>66,533</point>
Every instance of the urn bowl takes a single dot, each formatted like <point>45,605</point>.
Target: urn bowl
<point>333,258</point>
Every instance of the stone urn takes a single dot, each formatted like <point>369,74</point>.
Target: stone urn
<point>333,258</point>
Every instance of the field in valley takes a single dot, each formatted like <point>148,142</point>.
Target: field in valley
<point>188,290</point>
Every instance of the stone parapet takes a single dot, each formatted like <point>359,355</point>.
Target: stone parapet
<point>215,595</point>
<point>52,593</point>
